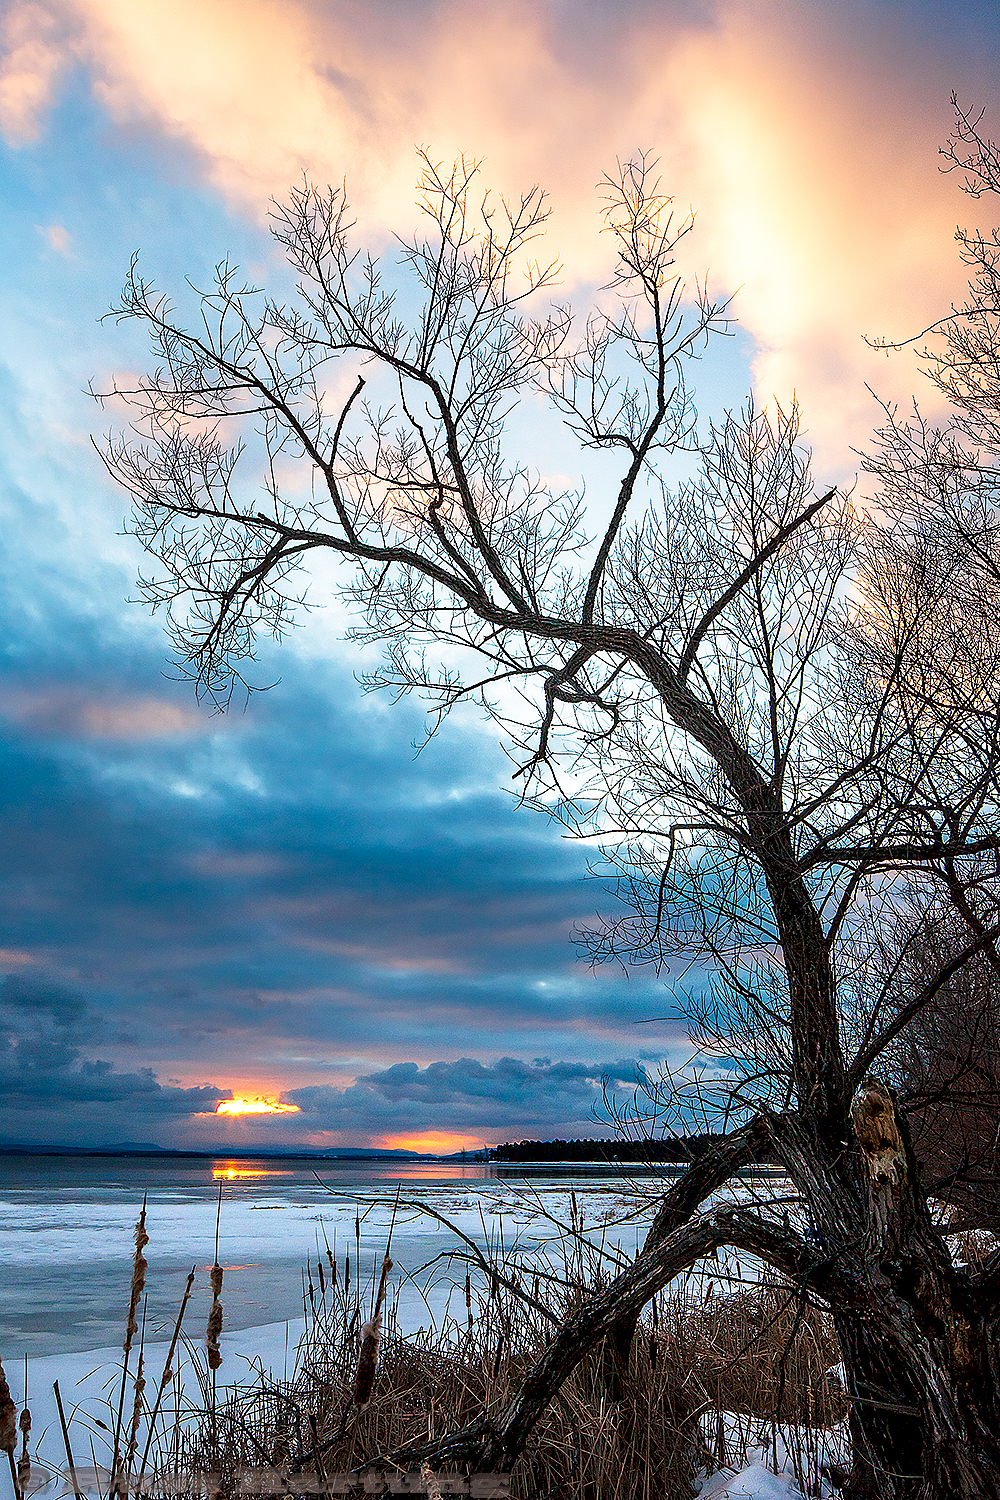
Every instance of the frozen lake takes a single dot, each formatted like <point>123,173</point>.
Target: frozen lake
<point>66,1228</point>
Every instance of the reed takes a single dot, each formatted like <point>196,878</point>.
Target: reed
<point>24,1427</point>
<point>8,1429</point>
<point>721,1370</point>
<point>136,1288</point>
<point>717,1372</point>
<point>213,1328</point>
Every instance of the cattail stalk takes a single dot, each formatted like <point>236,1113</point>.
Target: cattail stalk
<point>364,1379</point>
<point>430,1481</point>
<point>24,1423</point>
<point>165,1377</point>
<point>139,1268</point>
<point>133,1436</point>
<point>8,1428</point>
<point>8,1416</point>
<point>214,1328</point>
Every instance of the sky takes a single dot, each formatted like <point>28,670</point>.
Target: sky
<point>287,902</point>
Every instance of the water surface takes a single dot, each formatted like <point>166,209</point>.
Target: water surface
<point>66,1226</point>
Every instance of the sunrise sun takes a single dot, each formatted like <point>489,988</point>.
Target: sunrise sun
<point>238,1105</point>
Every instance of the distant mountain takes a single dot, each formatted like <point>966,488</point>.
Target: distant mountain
<point>241,1153</point>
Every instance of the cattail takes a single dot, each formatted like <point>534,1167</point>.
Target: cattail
<point>8,1417</point>
<point>322,1278</point>
<point>468,1298</point>
<point>333,1268</point>
<point>364,1379</point>
<point>24,1462</point>
<point>133,1437</point>
<point>8,1429</point>
<point>430,1481</point>
<point>139,1268</point>
<point>214,1321</point>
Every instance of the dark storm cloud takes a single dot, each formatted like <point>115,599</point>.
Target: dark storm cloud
<point>53,1092</point>
<point>511,1096</point>
<point>287,891</point>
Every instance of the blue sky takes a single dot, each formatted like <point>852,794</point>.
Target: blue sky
<point>288,900</point>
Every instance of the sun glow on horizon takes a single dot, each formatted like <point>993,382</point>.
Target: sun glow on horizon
<point>239,1105</point>
<point>434,1142</point>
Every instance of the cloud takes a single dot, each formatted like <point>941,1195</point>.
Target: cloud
<point>805,136</point>
<point>34,54</point>
<point>509,1096</point>
<point>67,709</point>
<point>59,238</point>
<point>286,891</point>
<point>51,1091</point>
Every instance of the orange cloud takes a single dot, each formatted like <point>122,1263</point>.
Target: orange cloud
<point>14,958</point>
<point>58,237</point>
<point>33,58</point>
<point>67,711</point>
<point>808,145</point>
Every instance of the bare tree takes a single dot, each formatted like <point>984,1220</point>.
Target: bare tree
<point>760,704</point>
<point>945,1064</point>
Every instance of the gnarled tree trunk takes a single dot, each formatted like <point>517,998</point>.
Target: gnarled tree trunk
<point>920,1347</point>
<point>920,1339</point>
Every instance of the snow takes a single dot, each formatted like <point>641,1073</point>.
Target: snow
<point>89,1383</point>
<point>754,1482</point>
<point>71,1237</point>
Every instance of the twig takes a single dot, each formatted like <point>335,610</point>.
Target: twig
<point>69,1452</point>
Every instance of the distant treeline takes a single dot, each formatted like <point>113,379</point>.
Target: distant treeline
<point>614,1150</point>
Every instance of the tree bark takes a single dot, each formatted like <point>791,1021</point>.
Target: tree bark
<point>919,1340</point>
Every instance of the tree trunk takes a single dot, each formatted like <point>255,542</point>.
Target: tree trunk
<point>920,1428</point>
<point>918,1337</point>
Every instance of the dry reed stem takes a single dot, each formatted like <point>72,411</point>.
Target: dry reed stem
<point>165,1377</point>
<point>702,1354</point>
<point>133,1436</point>
<point>139,1269</point>
<point>751,1351</point>
<point>371,1332</point>
<point>136,1288</point>
<point>69,1452</point>
<point>430,1482</point>
<point>8,1430</point>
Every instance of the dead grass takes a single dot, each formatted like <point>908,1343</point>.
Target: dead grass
<point>698,1353</point>
<point>717,1368</point>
